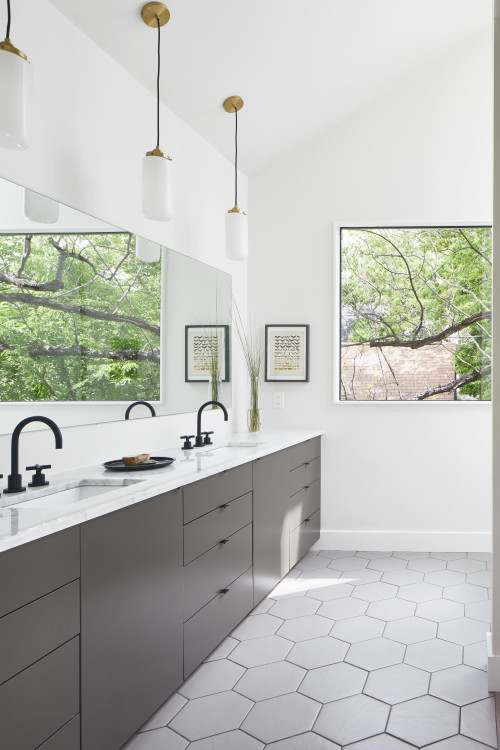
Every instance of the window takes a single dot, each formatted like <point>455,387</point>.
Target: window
<point>415,313</point>
<point>79,319</point>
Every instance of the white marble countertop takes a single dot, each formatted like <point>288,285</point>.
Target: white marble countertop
<point>22,520</point>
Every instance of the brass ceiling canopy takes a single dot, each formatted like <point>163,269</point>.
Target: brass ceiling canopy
<point>233,103</point>
<point>9,47</point>
<point>154,12</point>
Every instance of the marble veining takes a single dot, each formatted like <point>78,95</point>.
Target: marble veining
<point>20,524</point>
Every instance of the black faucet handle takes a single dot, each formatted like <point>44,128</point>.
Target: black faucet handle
<point>207,434</point>
<point>38,479</point>
<point>187,442</point>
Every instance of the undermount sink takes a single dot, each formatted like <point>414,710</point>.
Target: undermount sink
<point>232,444</point>
<point>85,489</point>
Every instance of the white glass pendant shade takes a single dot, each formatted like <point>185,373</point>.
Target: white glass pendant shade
<point>236,235</point>
<point>40,208</point>
<point>15,97</point>
<point>147,250</point>
<point>157,187</point>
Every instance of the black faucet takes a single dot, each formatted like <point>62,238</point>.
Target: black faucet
<point>146,403</point>
<point>14,481</point>
<point>199,440</point>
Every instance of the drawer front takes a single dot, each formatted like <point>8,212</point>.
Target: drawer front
<point>41,699</point>
<point>304,504</point>
<point>297,479</point>
<point>303,537</point>
<point>312,470</point>
<point>208,627</point>
<point>206,495</point>
<point>67,738</point>
<point>35,569</point>
<point>305,451</point>
<point>38,628</point>
<point>205,532</point>
<point>213,571</point>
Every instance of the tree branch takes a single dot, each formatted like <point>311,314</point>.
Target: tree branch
<point>437,337</point>
<point>458,383</point>
<point>120,355</point>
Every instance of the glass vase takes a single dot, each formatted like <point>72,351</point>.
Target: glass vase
<point>254,413</point>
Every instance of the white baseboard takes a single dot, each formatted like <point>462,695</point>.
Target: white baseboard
<point>493,667</point>
<point>416,541</point>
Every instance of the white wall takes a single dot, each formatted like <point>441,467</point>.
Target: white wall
<point>395,475</point>
<point>92,125</point>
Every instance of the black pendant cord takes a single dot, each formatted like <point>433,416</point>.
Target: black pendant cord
<point>158,91</point>
<point>236,157</point>
<point>7,34</point>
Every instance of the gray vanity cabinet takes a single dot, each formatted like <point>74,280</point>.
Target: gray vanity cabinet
<point>304,514</point>
<point>270,521</point>
<point>131,640</point>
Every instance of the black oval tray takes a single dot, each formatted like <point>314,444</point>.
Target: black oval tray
<point>118,465</point>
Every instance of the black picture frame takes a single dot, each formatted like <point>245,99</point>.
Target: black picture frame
<point>189,354</point>
<point>299,361</point>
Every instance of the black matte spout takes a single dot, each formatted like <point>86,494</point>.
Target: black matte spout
<point>199,440</point>
<point>14,481</point>
<point>145,403</point>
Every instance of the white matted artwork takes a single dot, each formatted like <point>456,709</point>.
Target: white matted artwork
<point>287,352</point>
<point>201,341</point>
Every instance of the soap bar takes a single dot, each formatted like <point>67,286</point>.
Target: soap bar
<point>140,458</point>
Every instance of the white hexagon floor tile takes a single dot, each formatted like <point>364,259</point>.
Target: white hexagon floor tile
<point>356,629</point>
<point>460,685</point>
<point>440,610</point>
<point>375,654</point>
<point>433,655</point>
<point>305,628</point>
<point>391,609</point>
<point>427,565</point>
<point>279,718</point>
<point>479,723</point>
<point>420,592</point>
<point>352,719</point>
<point>373,555</point>
<point>258,651</point>
<point>465,593</point>
<point>157,739</point>
<point>226,741</point>
<point>484,556</point>
<point>213,714</point>
<point>333,554</point>
<point>459,742</point>
<point>448,556</point>
<point>410,630</point>
<point>341,609</point>
<point>312,563</point>
<point>386,564</point>
<point>476,655</point>
<point>479,610</point>
<point>257,627</point>
<point>411,555</point>
<point>379,742</point>
<point>270,680</point>
<point>481,578</point>
<point>348,563</point>
<point>331,683</point>
<point>212,677</point>
<point>296,607</point>
<point>333,591</point>
<point>445,578</point>
<point>374,592</point>
<point>318,652</point>
<point>424,720</point>
<point>166,713</point>
<point>463,631</point>
<point>467,565</point>
<point>306,741</point>
<point>361,576</point>
<point>396,684</point>
<point>318,575</point>
<point>402,577</point>
<point>223,650</point>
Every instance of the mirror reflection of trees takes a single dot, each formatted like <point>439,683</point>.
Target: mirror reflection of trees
<point>416,313</point>
<point>79,319</point>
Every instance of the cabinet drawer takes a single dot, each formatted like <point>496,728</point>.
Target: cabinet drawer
<point>38,628</point>
<point>206,495</point>
<point>304,503</point>
<point>41,699</point>
<point>67,738</point>
<point>305,451</point>
<point>208,627</point>
<point>204,533</point>
<point>37,568</point>
<point>213,571</point>
<point>303,537</point>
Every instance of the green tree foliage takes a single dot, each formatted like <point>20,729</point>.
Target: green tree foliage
<point>79,319</point>
<point>416,286</point>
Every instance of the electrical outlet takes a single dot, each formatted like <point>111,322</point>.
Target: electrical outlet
<point>278,400</point>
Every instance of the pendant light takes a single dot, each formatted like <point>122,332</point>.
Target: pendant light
<point>156,166</point>
<point>39,208</point>
<point>146,250</point>
<point>236,219</point>
<point>15,93</point>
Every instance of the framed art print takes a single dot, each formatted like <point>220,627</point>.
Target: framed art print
<point>202,344</point>
<point>287,353</point>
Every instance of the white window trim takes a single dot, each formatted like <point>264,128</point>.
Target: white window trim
<point>336,227</point>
